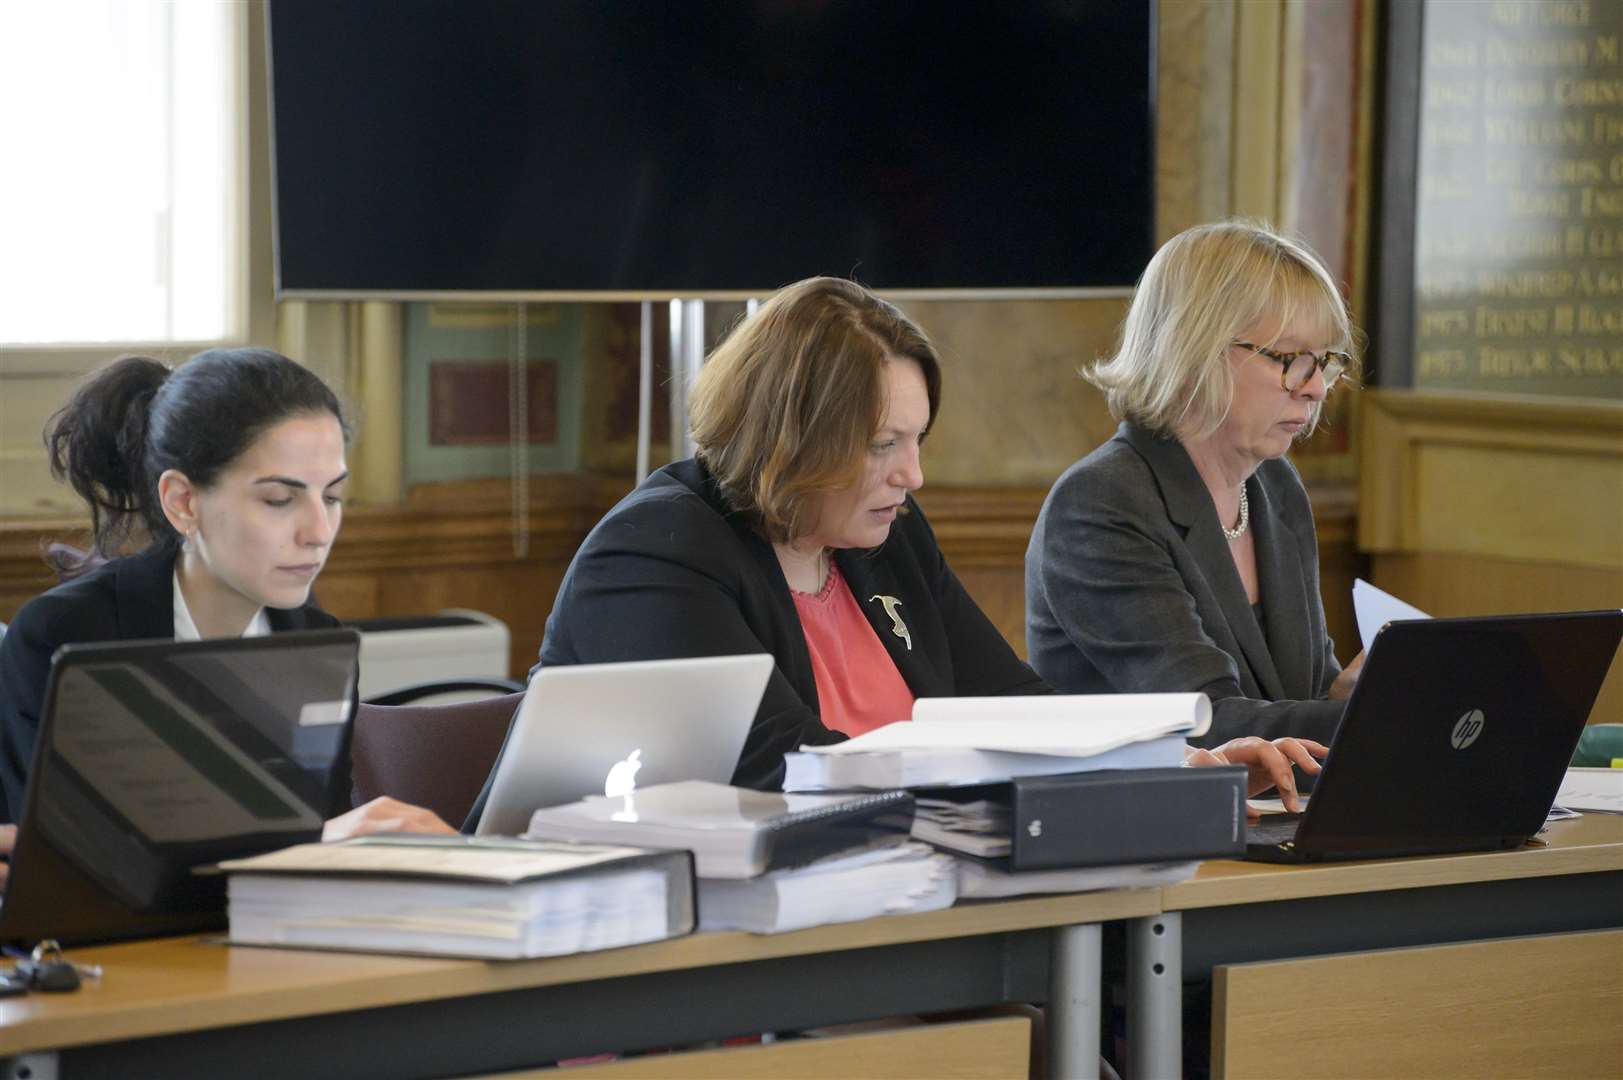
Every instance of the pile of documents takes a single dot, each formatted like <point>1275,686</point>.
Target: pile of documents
<point>733,832</point>
<point>1048,794</point>
<point>770,862</point>
<point>987,739</point>
<point>1109,828</point>
<point>890,880</point>
<point>459,896</point>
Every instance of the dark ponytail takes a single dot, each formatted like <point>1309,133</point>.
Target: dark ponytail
<point>133,420</point>
<point>97,445</point>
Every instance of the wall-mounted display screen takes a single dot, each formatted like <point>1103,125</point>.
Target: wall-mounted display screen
<point>646,148</point>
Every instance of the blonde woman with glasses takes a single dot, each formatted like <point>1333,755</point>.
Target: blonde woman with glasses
<point>1181,554</point>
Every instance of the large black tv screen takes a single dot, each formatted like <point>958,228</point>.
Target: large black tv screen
<point>676,148</point>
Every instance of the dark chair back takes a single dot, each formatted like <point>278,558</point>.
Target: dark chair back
<point>434,756</point>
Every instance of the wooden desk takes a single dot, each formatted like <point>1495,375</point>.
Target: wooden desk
<point>1236,912</point>
<point>195,1007</point>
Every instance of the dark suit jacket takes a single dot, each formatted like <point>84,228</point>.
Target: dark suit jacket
<point>129,599</point>
<point>672,572</point>
<point>1130,588</point>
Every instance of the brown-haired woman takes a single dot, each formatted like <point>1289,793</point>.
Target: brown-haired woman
<point>794,532</point>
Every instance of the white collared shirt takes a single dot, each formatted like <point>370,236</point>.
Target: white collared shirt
<point>186,629</point>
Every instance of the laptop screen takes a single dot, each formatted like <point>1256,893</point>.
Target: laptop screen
<point>154,758</point>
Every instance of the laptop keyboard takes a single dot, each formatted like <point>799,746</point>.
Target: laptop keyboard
<point>1273,830</point>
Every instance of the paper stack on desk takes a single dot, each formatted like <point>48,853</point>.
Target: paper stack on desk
<point>979,880</point>
<point>769,862</point>
<point>459,896</point>
<point>733,832</point>
<point>987,739</point>
<point>890,880</point>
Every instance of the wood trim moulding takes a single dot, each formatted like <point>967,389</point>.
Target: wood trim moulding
<point>471,522</point>
<point>983,526</point>
<point>1401,427</point>
<point>438,525</point>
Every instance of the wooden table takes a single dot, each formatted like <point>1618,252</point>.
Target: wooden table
<point>195,1007</point>
<point>1233,913</point>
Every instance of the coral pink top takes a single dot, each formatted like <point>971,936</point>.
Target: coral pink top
<point>858,686</point>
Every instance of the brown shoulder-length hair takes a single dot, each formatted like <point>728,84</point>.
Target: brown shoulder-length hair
<point>785,408</point>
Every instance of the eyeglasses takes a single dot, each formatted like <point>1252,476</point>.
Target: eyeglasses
<point>1296,368</point>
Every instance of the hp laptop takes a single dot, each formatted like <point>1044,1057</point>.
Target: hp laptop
<point>596,729</point>
<point>1456,738</point>
<point>153,758</point>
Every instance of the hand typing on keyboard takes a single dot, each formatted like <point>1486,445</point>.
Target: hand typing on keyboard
<point>1268,765</point>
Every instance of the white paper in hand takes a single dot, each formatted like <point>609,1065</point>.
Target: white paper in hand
<point>1375,608</point>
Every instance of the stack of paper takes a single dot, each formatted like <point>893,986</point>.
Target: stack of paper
<point>457,896</point>
<point>954,741</point>
<point>982,881</point>
<point>979,827</point>
<point>732,832</point>
<point>1594,790</point>
<point>883,881</point>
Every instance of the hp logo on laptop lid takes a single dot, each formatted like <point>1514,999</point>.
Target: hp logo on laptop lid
<point>1467,729</point>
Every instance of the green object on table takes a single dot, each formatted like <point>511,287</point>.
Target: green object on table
<point>1599,745</point>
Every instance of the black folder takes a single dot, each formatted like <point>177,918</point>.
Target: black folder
<point>1117,816</point>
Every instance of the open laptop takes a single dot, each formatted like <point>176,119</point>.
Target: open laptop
<point>153,758</point>
<point>1456,738</point>
<point>594,729</point>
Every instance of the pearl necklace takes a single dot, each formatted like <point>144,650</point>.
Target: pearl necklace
<point>1245,518</point>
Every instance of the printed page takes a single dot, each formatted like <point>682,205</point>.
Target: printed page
<point>1593,790</point>
<point>1375,608</point>
<point>1067,725</point>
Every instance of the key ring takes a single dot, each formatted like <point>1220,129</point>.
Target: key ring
<point>49,951</point>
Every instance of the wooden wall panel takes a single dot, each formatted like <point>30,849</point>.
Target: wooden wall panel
<point>1478,505</point>
<point>451,545</point>
<point>448,545</point>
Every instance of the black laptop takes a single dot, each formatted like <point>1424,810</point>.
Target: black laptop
<point>157,757</point>
<point>1456,738</point>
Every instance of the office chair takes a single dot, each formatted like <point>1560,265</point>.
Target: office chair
<point>434,756</point>
<point>466,689</point>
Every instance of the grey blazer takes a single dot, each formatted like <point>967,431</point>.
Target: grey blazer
<point>1130,588</point>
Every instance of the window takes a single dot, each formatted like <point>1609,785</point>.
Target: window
<point>122,198</point>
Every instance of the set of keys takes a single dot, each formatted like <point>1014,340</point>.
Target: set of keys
<point>46,971</point>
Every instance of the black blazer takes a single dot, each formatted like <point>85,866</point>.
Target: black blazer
<point>129,599</point>
<point>673,572</point>
<point>1130,588</point>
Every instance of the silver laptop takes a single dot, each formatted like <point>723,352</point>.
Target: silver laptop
<point>595,729</point>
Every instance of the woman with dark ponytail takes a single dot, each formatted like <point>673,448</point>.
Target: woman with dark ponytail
<point>215,493</point>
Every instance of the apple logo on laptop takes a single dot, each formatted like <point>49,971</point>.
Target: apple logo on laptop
<point>622,778</point>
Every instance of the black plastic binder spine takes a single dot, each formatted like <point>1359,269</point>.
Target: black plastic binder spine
<point>1126,816</point>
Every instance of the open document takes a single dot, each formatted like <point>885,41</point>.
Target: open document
<point>953,741</point>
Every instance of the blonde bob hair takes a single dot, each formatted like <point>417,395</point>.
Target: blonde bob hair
<point>786,407</point>
<point>1206,288</point>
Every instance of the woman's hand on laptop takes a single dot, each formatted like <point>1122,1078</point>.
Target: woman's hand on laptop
<point>1268,764</point>
<point>383,814</point>
<point>8,840</point>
